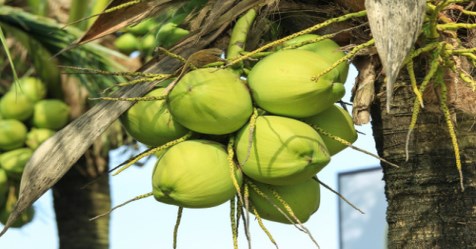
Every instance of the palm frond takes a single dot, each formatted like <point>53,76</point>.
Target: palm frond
<point>51,36</point>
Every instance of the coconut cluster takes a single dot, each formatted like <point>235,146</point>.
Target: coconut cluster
<point>27,119</point>
<point>149,34</point>
<point>267,130</point>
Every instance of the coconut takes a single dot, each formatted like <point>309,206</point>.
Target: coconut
<point>127,43</point>
<point>303,199</point>
<point>284,83</point>
<point>31,87</point>
<point>283,151</point>
<point>16,105</point>
<point>327,49</point>
<point>337,122</point>
<point>142,28</point>
<point>13,162</point>
<point>12,134</point>
<point>36,136</point>
<point>51,114</point>
<point>211,101</point>
<point>151,123</point>
<point>194,174</point>
<point>169,34</point>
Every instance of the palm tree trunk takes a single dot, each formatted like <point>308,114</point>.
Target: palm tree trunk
<point>426,207</point>
<point>75,206</point>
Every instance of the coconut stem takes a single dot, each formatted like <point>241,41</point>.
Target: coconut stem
<point>270,201</point>
<point>344,59</point>
<point>340,196</point>
<point>434,66</point>
<point>348,144</point>
<point>139,197</point>
<point>451,130</point>
<point>302,32</point>
<point>123,166</point>
<point>231,163</point>
<point>246,215</point>
<point>263,227</point>
<point>234,227</point>
<point>251,131</point>
<point>177,224</point>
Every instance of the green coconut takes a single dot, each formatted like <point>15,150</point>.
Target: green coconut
<point>283,151</point>
<point>142,28</point>
<point>31,87</point>
<point>337,122</point>
<point>303,198</point>
<point>12,134</point>
<point>284,83</point>
<point>169,34</point>
<point>50,114</point>
<point>151,123</point>
<point>194,174</point>
<point>3,186</point>
<point>13,162</point>
<point>16,105</point>
<point>327,49</point>
<point>211,101</point>
<point>148,43</point>
<point>127,43</point>
<point>36,136</point>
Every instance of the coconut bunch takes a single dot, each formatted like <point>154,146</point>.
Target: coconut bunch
<point>162,31</point>
<point>140,37</point>
<point>27,119</point>
<point>271,131</point>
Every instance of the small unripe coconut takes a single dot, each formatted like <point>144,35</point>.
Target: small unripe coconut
<point>142,28</point>
<point>211,101</point>
<point>16,105</point>
<point>303,198</point>
<point>151,123</point>
<point>169,34</point>
<point>337,122</point>
<point>36,136</point>
<point>127,43</point>
<point>284,83</point>
<point>12,134</point>
<point>148,43</point>
<point>51,114</point>
<point>13,162</point>
<point>31,87</point>
<point>327,49</point>
<point>194,174</point>
<point>283,151</point>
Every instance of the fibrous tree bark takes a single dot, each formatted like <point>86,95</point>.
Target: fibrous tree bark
<point>426,207</point>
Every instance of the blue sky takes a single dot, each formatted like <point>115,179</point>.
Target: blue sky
<point>149,224</point>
